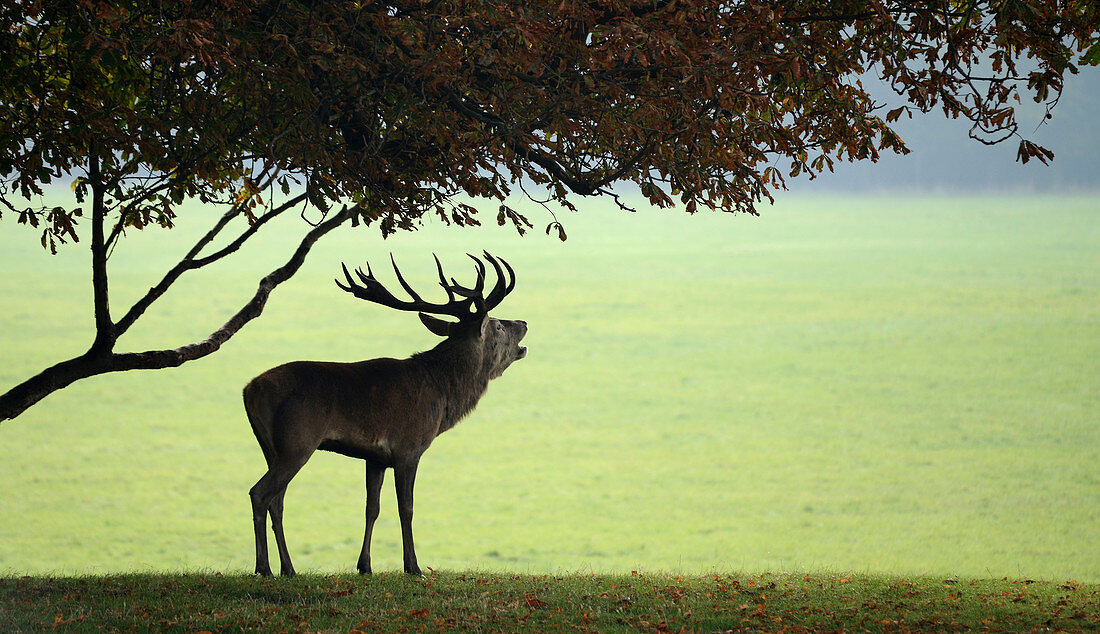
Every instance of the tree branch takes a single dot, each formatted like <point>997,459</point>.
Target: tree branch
<point>247,233</point>
<point>155,359</point>
<point>16,400</point>
<point>189,262</point>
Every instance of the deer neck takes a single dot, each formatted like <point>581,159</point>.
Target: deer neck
<point>457,370</point>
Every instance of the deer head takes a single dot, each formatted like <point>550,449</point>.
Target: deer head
<point>497,339</point>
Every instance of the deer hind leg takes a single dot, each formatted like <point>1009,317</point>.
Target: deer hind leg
<point>267,497</point>
<point>259,517</point>
<point>375,474</point>
<point>286,568</point>
<point>404,478</point>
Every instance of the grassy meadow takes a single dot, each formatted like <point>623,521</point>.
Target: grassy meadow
<point>873,385</point>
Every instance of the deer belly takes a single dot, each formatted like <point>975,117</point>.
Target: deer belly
<point>376,451</point>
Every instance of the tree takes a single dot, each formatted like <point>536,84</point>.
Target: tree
<point>384,113</point>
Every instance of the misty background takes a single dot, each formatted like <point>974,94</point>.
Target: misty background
<point>945,160</point>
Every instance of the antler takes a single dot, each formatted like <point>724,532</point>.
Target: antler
<point>462,302</point>
<point>500,289</point>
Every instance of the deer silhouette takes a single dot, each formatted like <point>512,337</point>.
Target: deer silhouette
<point>385,412</point>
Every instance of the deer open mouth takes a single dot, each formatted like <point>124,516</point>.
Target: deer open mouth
<point>521,351</point>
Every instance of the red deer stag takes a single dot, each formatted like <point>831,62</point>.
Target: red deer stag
<point>383,411</point>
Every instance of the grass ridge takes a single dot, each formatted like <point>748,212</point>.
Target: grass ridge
<point>501,601</point>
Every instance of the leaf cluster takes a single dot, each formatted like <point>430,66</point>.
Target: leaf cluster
<point>129,86</point>
<point>413,108</point>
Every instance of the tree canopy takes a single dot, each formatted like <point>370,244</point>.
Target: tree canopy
<point>385,113</point>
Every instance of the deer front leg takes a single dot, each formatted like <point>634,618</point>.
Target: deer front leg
<point>404,477</point>
<point>375,474</point>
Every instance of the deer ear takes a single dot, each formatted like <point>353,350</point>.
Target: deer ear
<point>437,326</point>
<point>484,327</point>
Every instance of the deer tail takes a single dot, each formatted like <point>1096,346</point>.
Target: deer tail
<point>261,415</point>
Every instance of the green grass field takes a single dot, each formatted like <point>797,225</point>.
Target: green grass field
<point>904,386</point>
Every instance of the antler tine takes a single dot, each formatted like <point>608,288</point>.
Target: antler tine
<point>351,286</point>
<point>474,293</point>
<point>370,289</point>
<point>479,286</point>
<point>479,298</point>
<point>511,274</point>
<point>443,279</point>
<point>504,283</point>
<point>347,275</point>
<point>401,280</point>
<point>367,279</point>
